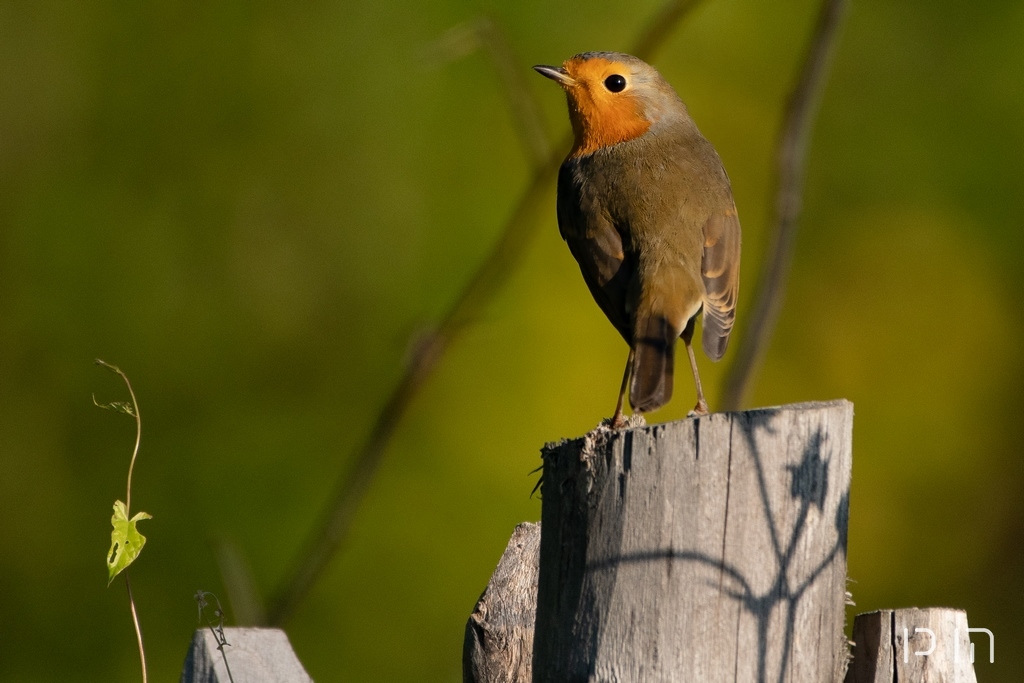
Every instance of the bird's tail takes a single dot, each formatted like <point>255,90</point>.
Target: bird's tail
<point>655,344</point>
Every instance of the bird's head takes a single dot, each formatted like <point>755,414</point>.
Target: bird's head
<point>613,97</point>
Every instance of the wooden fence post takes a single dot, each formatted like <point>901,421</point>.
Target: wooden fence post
<point>254,655</point>
<point>708,549</point>
<point>498,647</point>
<point>912,645</point>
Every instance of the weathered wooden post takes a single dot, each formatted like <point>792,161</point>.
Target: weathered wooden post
<point>910,645</point>
<point>252,655</point>
<point>498,647</point>
<point>708,549</point>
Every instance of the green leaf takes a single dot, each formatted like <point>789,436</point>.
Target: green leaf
<point>125,540</point>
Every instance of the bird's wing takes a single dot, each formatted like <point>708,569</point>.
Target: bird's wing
<point>597,246</point>
<point>720,269</point>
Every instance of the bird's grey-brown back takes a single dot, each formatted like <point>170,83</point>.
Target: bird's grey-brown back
<point>692,216</point>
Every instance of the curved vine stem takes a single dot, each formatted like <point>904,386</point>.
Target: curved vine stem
<point>133,410</point>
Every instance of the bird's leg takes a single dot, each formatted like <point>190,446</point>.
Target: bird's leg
<point>618,421</point>
<point>702,407</point>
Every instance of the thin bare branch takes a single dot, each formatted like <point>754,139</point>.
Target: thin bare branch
<point>791,155</point>
<point>236,575</point>
<point>492,273</point>
<point>520,98</point>
<point>429,349</point>
<point>660,27</point>
<point>483,33</point>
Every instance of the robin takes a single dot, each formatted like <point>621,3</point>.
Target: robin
<point>647,211</point>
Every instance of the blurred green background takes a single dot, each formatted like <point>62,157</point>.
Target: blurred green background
<point>251,207</point>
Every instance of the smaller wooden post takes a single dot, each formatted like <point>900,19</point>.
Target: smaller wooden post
<point>254,655</point>
<point>913,644</point>
<point>499,634</point>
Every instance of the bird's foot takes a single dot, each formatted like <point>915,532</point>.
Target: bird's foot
<point>699,410</point>
<point>620,421</point>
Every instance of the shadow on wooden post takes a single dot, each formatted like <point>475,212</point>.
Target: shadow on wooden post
<point>707,549</point>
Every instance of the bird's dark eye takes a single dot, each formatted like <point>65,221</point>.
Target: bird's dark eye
<point>615,83</point>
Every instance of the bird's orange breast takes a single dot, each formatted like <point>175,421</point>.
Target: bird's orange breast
<point>599,117</point>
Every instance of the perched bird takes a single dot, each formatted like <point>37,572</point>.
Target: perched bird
<point>647,211</point>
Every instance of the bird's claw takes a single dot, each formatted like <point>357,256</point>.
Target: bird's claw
<point>699,410</point>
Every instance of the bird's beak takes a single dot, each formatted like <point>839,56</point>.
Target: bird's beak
<point>557,74</point>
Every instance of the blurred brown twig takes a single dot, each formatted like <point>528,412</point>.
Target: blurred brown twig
<point>791,155</point>
<point>492,273</point>
<point>483,33</point>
